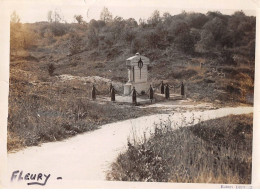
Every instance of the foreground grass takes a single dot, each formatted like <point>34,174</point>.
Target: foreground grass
<point>214,151</point>
<point>47,109</point>
<point>35,119</point>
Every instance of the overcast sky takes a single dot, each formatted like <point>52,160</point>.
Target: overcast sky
<point>36,10</point>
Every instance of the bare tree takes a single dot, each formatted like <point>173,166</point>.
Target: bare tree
<point>57,17</point>
<point>106,15</point>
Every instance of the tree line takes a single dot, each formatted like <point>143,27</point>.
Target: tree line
<point>212,33</point>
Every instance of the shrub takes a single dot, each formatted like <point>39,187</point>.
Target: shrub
<point>75,44</point>
<point>59,29</point>
<point>51,69</point>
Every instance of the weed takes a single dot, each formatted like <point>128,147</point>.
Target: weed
<point>214,151</point>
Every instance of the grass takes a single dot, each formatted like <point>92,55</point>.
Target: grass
<point>201,84</point>
<point>55,112</point>
<point>36,119</point>
<point>214,151</point>
<point>43,108</point>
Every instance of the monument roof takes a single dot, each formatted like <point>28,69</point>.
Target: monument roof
<point>137,55</point>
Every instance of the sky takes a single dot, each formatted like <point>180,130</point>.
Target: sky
<point>31,11</point>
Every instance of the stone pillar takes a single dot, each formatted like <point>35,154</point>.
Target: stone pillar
<point>129,75</point>
<point>133,73</point>
<point>127,88</point>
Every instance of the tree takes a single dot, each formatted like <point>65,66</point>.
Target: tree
<point>142,23</point>
<point>15,33</point>
<point>79,18</point>
<point>154,19</point>
<point>161,30</point>
<point>166,18</point>
<point>196,20</point>
<point>129,35</point>
<point>93,24</point>
<point>185,42</point>
<point>207,41</point>
<point>109,39</point>
<point>21,35</point>
<point>117,26</point>
<point>131,22</point>
<point>96,25</point>
<point>239,14</point>
<point>152,39</point>
<point>180,34</point>
<point>213,14</point>
<point>106,15</point>
<point>15,19</point>
<point>217,27</point>
<point>176,28</point>
<point>57,17</point>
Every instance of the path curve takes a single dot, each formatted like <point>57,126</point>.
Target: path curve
<point>89,155</point>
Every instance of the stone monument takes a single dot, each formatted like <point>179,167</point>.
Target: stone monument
<point>137,66</point>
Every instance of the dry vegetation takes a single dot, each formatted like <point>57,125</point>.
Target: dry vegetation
<point>175,44</point>
<point>50,110</point>
<point>43,108</point>
<point>38,118</point>
<point>214,151</point>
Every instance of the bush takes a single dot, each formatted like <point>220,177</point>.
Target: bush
<point>93,39</point>
<point>182,74</point>
<point>59,29</point>
<point>75,44</point>
<point>51,69</point>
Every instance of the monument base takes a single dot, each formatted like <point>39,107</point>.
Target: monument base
<point>139,87</point>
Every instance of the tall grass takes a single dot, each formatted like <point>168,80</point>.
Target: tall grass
<point>215,151</point>
<point>55,110</point>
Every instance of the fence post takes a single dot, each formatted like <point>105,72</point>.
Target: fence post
<point>186,90</point>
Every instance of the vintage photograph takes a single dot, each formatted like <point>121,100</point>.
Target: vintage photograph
<point>130,91</point>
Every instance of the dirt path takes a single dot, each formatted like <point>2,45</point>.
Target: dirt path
<point>89,155</point>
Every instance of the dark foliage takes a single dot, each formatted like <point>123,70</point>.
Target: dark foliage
<point>51,69</point>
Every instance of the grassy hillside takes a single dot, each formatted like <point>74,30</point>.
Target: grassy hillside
<point>214,151</point>
<point>176,45</point>
<point>42,107</point>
